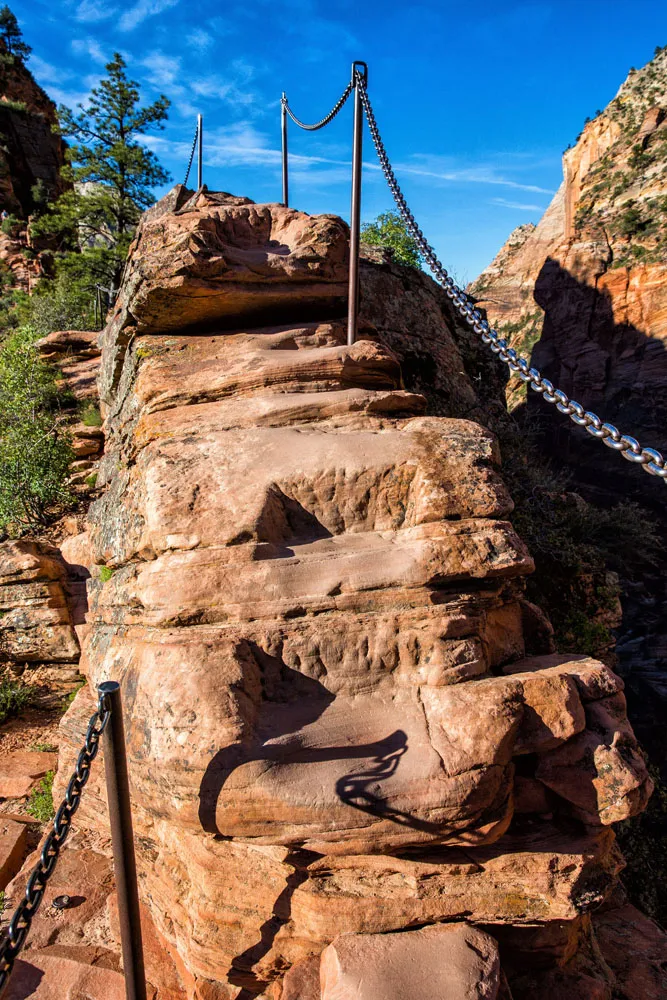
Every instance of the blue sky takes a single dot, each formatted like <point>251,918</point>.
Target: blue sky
<point>476,100</point>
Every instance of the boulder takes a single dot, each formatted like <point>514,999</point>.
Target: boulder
<point>445,962</point>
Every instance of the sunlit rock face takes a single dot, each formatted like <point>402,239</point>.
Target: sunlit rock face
<point>312,598</point>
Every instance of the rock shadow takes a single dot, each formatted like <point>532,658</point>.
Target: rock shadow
<point>612,368</point>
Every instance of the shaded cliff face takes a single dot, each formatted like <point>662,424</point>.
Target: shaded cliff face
<point>313,599</point>
<point>30,152</point>
<point>584,293</point>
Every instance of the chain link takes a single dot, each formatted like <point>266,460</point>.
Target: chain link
<point>192,156</point>
<point>650,460</point>
<point>325,121</point>
<point>19,926</point>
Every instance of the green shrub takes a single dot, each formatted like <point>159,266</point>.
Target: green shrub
<point>14,697</point>
<point>91,416</point>
<point>9,225</point>
<point>34,452</point>
<point>389,231</point>
<point>106,573</point>
<point>40,803</point>
<point>58,304</point>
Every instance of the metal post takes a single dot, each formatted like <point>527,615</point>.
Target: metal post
<point>122,840</point>
<point>283,123</point>
<point>355,213</point>
<point>200,149</point>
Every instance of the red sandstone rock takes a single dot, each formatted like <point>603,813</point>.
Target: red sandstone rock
<point>13,843</point>
<point>635,948</point>
<point>445,962</point>
<point>35,624</point>
<point>20,770</point>
<point>310,595</point>
<point>42,976</point>
<point>586,298</point>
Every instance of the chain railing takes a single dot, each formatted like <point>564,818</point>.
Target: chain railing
<point>198,145</point>
<point>650,460</point>
<point>106,721</point>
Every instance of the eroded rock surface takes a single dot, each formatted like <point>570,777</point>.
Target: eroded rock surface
<point>311,594</point>
<point>36,622</point>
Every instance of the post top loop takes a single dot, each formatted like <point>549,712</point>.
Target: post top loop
<point>364,71</point>
<point>108,687</point>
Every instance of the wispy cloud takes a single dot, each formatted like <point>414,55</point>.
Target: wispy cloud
<point>90,47</point>
<point>48,74</point>
<point>92,11</point>
<point>517,204</point>
<point>136,15</point>
<point>243,145</point>
<point>200,39</point>
<point>163,70</point>
<point>472,175</point>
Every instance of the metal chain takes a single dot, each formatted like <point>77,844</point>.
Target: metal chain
<point>192,156</point>
<point>325,121</point>
<point>650,460</point>
<point>19,926</point>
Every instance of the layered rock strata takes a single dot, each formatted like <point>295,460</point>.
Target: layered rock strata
<point>36,625</point>
<point>311,594</point>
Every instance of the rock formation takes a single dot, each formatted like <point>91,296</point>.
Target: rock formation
<point>31,153</point>
<point>349,744</point>
<point>585,291</point>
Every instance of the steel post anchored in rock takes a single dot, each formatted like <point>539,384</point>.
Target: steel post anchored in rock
<point>313,599</point>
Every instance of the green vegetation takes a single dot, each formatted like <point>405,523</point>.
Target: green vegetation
<point>11,36</point>
<point>579,549</point>
<point>40,803</point>
<point>389,231</point>
<point>34,452</point>
<point>644,845</point>
<point>44,747</point>
<point>14,697</point>
<point>69,698</point>
<point>91,416</point>
<point>113,174</point>
<point>106,573</point>
<point>9,225</point>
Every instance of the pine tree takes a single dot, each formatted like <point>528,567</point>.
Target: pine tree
<point>12,36</point>
<point>110,172</point>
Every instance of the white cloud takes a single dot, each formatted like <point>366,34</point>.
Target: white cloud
<point>200,39</point>
<point>435,168</point>
<point>517,204</point>
<point>136,15</point>
<point>91,11</point>
<point>90,47</point>
<point>164,70</point>
<point>46,73</point>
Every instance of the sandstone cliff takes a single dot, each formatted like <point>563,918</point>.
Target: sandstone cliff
<point>584,293</point>
<point>30,153</point>
<point>344,722</point>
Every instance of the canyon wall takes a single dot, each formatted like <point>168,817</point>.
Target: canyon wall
<point>31,153</point>
<point>584,293</point>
